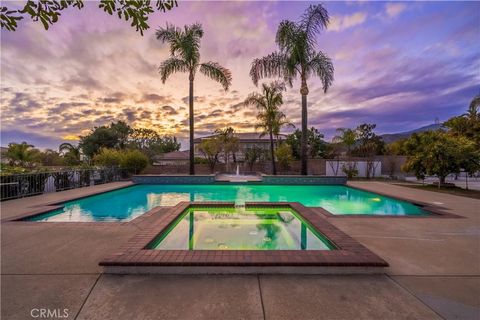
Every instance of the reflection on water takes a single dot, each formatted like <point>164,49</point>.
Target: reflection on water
<point>240,229</point>
<point>129,203</point>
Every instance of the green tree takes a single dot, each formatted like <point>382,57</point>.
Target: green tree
<point>473,113</point>
<point>134,161</point>
<point>393,150</point>
<point>315,145</point>
<point>269,118</point>
<point>50,157</point>
<point>437,153</point>
<point>108,158</point>
<point>297,57</point>
<point>22,155</point>
<point>228,144</point>
<point>346,137</point>
<point>151,143</point>
<point>210,148</point>
<point>369,144</point>
<point>49,11</point>
<point>113,136</point>
<point>253,155</point>
<point>122,131</point>
<point>284,155</point>
<point>470,159</point>
<point>164,144</point>
<point>468,124</point>
<point>185,57</point>
<point>71,154</point>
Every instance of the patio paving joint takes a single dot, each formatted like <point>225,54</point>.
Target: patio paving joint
<point>261,297</point>
<point>414,295</point>
<point>88,295</point>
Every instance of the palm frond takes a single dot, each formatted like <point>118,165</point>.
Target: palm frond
<point>170,34</point>
<point>314,20</point>
<point>171,66</point>
<point>473,108</point>
<point>66,146</point>
<point>321,65</point>
<point>189,45</point>
<point>272,65</point>
<point>184,43</point>
<point>287,34</point>
<point>216,72</point>
<point>255,99</point>
<point>194,30</point>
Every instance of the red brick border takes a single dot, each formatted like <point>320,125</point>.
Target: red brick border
<point>348,251</point>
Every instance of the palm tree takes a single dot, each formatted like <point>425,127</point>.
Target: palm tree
<point>270,118</point>
<point>297,57</point>
<point>185,57</point>
<point>21,154</point>
<point>472,113</point>
<point>228,144</point>
<point>71,153</point>
<point>347,137</point>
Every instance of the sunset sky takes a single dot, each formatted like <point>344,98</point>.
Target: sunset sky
<point>399,65</point>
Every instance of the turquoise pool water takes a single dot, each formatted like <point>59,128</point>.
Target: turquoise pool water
<point>128,203</point>
<point>241,229</point>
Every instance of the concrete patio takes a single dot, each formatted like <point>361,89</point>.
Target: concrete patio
<point>434,271</point>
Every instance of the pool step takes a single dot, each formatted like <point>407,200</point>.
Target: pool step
<point>176,270</point>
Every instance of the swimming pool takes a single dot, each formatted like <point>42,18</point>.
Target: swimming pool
<point>240,229</point>
<point>128,203</point>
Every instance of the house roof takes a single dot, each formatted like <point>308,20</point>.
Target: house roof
<point>246,137</point>
<point>174,155</point>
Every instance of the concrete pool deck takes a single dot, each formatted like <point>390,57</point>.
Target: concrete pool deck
<point>434,270</point>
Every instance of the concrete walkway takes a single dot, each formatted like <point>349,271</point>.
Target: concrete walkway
<point>434,273</point>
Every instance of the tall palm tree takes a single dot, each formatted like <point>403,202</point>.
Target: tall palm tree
<point>297,57</point>
<point>185,57</point>
<point>270,118</point>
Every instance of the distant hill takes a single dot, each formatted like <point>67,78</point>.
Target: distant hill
<point>392,137</point>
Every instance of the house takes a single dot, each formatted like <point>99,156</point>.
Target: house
<point>246,140</point>
<point>172,158</point>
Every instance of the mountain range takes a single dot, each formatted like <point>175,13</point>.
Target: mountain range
<point>392,137</point>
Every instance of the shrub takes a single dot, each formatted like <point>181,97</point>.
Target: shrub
<point>108,158</point>
<point>284,156</point>
<point>134,161</point>
<point>199,160</point>
<point>350,169</point>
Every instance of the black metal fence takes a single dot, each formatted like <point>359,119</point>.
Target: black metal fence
<point>30,184</point>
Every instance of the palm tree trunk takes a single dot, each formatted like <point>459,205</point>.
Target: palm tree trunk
<point>304,146</point>
<point>272,153</point>
<point>190,110</point>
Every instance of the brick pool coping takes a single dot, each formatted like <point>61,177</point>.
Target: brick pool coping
<point>348,252</point>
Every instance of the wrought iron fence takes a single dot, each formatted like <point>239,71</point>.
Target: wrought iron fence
<point>30,184</point>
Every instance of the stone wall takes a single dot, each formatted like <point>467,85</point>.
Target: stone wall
<point>315,167</point>
<point>391,165</point>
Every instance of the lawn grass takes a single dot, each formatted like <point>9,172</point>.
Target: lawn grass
<point>475,194</point>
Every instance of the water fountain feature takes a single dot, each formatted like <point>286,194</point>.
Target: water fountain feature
<point>238,177</point>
